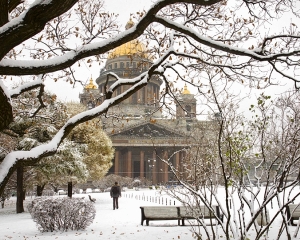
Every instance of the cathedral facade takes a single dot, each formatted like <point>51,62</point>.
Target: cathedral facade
<point>142,137</point>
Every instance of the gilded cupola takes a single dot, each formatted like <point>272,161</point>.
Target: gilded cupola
<point>132,48</point>
<point>91,85</point>
<point>185,90</point>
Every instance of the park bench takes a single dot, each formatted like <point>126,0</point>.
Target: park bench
<point>179,213</point>
<point>201,212</point>
<point>293,213</point>
<point>159,213</point>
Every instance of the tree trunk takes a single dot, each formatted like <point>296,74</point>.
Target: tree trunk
<point>20,193</point>
<point>70,189</point>
<point>6,115</point>
<point>39,190</point>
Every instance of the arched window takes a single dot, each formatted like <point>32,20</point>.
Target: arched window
<point>121,65</point>
<point>188,110</point>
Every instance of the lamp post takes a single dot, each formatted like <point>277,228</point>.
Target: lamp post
<point>151,164</point>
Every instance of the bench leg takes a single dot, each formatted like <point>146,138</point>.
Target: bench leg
<point>147,222</point>
<point>182,221</point>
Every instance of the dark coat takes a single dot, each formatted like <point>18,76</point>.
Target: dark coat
<point>115,191</point>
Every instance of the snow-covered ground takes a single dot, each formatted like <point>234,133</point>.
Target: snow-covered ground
<point>124,223</point>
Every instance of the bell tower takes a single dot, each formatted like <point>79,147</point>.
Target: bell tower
<point>90,95</point>
<point>186,106</point>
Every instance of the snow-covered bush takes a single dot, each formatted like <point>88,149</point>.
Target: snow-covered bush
<point>52,214</point>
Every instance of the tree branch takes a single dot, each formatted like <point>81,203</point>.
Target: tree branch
<point>34,21</point>
<point>30,23</point>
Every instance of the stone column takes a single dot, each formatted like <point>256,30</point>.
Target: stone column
<point>177,161</point>
<point>129,164</point>
<point>142,164</point>
<point>117,154</point>
<point>165,167</point>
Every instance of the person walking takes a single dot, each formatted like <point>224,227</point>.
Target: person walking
<point>115,193</point>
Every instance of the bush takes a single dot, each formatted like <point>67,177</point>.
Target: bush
<point>52,214</point>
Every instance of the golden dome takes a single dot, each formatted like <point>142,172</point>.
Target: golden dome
<point>185,90</point>
<point>91,85</point>
<point>133,47</point>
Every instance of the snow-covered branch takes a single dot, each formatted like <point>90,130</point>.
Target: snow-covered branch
<point>257,54</point>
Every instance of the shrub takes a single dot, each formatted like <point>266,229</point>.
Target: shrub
<point>53,214</point>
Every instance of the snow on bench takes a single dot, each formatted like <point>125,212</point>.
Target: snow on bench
<point>159,213</point>
<point>293,213</point>
<point>152,213</point>
<point>201,212</point>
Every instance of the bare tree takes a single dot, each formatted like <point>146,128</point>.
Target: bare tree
<point>255,159</point>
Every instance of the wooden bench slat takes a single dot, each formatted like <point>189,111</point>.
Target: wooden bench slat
<point>161,212</point>
<point>196,212</point>
<point>178,213</point>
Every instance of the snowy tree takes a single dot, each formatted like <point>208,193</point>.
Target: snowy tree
<point>230,41</point>
<point>65,166</point>
<point>86,153</point>
<point>99,152</point>
<point>257,162</point>
<point>32,127</point>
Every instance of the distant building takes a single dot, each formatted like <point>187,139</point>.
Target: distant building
<point>139,132</point>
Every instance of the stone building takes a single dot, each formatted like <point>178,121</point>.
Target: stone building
<point>141,135</point>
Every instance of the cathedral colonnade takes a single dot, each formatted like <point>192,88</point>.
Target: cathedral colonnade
<point>145,162</point>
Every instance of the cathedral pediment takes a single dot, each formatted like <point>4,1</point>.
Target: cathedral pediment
<point>148,130</point>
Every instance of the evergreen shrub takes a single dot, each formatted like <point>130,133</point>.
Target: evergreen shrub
<point>53,214</point>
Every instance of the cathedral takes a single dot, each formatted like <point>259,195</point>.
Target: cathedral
<point>141,135</point>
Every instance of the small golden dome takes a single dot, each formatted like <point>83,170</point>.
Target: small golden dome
<point>133,47</point>
<point>91,85</point>
<point>185,90</point>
